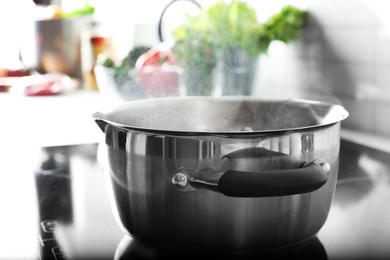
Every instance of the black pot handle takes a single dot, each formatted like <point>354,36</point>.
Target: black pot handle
<point>310,177</point>
<point>163,12</point>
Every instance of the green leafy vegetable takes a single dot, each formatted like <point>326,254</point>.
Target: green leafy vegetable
<point>132,57</point>
<point>285,25</point>
<point>85,10</point>
<point>235,25</point>
<point>122,70</point>
<point>224,26</point>
<point>108,63</point>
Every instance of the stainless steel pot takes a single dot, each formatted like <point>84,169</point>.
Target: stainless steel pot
<point>232,174</point>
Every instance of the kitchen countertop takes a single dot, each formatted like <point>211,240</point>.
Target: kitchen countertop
<point>51,120</point>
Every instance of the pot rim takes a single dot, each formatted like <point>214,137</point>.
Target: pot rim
<point>336,114</point>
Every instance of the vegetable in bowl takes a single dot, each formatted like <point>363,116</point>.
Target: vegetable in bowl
<point>144,72</point>
<point>120,78</point>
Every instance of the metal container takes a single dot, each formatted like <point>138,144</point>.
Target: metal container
<point>229,174</point>
<point>55,45</point>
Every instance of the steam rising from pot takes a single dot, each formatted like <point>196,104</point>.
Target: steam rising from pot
<point>222,115</point>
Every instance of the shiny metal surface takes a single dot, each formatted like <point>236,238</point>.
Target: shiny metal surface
<point>55,45</point>
<point>141,166</point>
<point>148,141</point>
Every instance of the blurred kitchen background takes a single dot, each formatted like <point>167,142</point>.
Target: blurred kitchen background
<point>342,56</point>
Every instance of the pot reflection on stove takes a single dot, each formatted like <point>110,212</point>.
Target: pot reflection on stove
<point>53,182</point>
<point>130,248</point>
<point>356,173</point>
<point>53,187</point>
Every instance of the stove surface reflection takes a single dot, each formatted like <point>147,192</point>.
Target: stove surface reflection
<point>132,249</point>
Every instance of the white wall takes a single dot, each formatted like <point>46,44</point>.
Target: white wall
<point>343,56</point>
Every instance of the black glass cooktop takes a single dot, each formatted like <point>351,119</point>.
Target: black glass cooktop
<point>59,209</point>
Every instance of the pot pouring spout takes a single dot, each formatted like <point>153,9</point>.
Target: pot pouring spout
<point>98,117</point>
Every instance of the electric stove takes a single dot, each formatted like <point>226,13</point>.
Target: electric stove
<point>54,205</point>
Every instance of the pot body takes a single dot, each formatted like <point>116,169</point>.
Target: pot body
<point>149,207</point>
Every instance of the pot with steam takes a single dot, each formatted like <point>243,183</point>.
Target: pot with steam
<point>231,174</point>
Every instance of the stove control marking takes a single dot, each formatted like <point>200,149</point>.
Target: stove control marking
<point>61,253</point>
<point>48,226</point>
